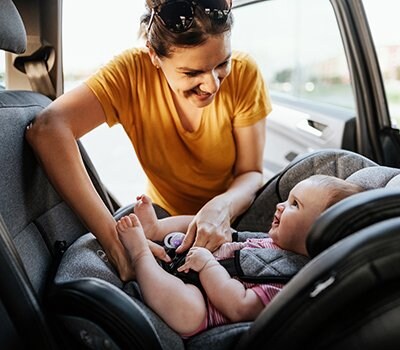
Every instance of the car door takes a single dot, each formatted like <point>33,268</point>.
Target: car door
<point>298,47</point>
<point>373,57</point>
<point>306,51</point>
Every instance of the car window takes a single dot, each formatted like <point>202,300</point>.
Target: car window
<point>296,43</point>
<point>96,33</point>
<point>298,47</point>
<point>296,60</point>
<point>92,35</point>
<point>385,28</point>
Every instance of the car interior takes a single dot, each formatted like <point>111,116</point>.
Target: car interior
<point>59,291</point>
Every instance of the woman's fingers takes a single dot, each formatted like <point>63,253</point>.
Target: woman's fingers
<point>188,240</point>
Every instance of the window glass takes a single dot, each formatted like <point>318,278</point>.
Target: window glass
<point>94,31</point>
<point>298,46</point>
<point>385,28</point>
<point>295,42</point>
<point>2,70</point>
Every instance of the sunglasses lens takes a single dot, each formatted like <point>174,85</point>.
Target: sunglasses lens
<point>223,5</point>
<point>217,9</point>
<point>177,15</point>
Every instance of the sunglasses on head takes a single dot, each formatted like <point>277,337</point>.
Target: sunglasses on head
<point>178,15</point>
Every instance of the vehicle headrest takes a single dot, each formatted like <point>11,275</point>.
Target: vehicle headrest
<point>379,202</point>
<point>12,30</point>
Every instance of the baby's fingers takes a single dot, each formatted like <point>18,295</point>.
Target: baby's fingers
<point>183,268</point>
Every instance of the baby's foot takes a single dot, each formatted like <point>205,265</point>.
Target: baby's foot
<point>131,235</point>
<point>147,216</point>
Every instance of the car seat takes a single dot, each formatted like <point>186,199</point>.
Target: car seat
<point>57,288</point>
<point>81,261</point>
<point>347,297</point>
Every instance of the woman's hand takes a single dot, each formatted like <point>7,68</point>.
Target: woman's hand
<point>210,228</point>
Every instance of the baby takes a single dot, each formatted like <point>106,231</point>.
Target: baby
<point>228,300</point>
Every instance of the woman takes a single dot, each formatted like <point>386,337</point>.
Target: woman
<point>194,112</point>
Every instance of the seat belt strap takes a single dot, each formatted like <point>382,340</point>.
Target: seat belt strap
<point>37,67</point>
<point>39,78</point>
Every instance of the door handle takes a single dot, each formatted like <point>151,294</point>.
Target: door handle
<point>311,127</point>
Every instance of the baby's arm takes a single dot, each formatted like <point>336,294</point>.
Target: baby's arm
<point>228,295</point>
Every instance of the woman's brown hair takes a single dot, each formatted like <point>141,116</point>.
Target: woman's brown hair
<point>163,40</point>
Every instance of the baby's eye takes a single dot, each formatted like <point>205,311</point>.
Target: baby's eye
<point>295,203</point>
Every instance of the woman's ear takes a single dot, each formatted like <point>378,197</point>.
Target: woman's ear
<point>153,56</point>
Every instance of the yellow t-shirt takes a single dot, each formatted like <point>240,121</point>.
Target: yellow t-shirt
<point>184,169</point>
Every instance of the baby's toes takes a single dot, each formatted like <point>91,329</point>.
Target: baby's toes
<point>134,221</point>
<point>123,223</point>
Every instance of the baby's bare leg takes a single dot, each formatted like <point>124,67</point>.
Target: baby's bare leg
<point>154,228</point>
<point>180,305</point>
<point>145,212</point>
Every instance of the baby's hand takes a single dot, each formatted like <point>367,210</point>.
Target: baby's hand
<point>196,259</point>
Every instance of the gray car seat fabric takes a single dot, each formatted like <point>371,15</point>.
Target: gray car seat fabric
<point>338,163</point>
<point>38,227</point>
<point>381,201</point>
<point>33,212</point>
<point>84,259</point>
<point>26,254</point>
<point>12,30</point>
<point>348,297</point>
<point>87,290</point>
<point>263,265</point>
<point>351,215</point>
<point>20,309</point>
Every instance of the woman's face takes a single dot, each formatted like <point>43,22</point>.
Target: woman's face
<point>195,74</point>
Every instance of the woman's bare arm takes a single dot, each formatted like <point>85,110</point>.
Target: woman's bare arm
<point>211,226</point>
<point>53,136</point>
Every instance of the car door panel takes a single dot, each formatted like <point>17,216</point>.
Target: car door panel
<point>294,128</point>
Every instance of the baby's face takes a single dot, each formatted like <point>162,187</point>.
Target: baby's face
<point>293,218</point>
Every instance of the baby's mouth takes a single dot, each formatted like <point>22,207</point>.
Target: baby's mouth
<point>276,220</point>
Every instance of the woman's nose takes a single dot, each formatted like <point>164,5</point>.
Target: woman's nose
<point>211,83</point>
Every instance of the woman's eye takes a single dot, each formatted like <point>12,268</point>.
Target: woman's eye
<point>224,65</point>
<point>191,74</point>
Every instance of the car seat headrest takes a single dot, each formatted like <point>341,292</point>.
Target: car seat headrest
<point>380,201</point>
<point>328,162</point>
<point>374,177</point>
<point>12,30</point>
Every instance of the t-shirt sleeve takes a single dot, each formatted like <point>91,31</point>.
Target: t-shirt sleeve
<point>252,102</point>
<point>111,85</point>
